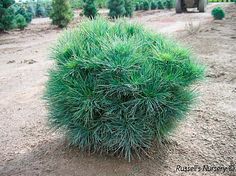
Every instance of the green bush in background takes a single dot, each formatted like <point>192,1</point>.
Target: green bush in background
<point>61,13</point>
<point>160,5</point>
<point>101,3</point>
<point>31,9</point>
<point>20,21</point>
<point>7,15</point>
<point>146,5</point>
<point>153,5</point>
<point>141,6</point>
<point>40,10</point>
<point>218,13</point>
<point>116,8</point>
<point>129,8</point>
<point>137,6</point>
<point>76,4</point>
<point>89,9</point>
<point>27,15</point>
<point>169,4</point>
<point>117,88</point>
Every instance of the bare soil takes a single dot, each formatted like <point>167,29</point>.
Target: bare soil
<point>207,137</point>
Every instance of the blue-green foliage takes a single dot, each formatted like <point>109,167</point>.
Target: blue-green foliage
<point>160,5</point>
<point>31,10</point>
<point>61,13</point>
<point>25,13</point>
<point>146,5</point>
<point>153,4</point>
<point>137,6</point>
<point>218,13</point>
<point>41,11</point>
<point>169,4</point>
<point>129,8</point>
<point>120,8</point>
<point>21,22</point>
<point>89,8</point>
<point>116,8</point>
<point>36,9</point>
<point>6,15</point>
<point>117,88</point>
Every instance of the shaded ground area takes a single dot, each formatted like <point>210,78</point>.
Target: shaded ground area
<point>206,137</point>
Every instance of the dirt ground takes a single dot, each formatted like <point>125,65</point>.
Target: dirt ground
<point>207,137</point>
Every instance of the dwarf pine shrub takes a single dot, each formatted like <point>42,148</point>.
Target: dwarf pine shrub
<point>141,6</point>
<point>31,10</point>
<point>116,8</point>
<point>146,5</point>
<point>169,4</point>
<point>61,13</point>
<point>137,6</point>
<point>218,13</point>
<point>21,22</point>
<point>27,15</point>
<point>89,8</point>
<point>117,88</point>
<point>7,15</point>
<point>153,5</point>
<point>160,5</point>
<point>129,8</point>
<point>40,10</point>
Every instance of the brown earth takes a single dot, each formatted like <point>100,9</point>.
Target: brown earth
<point>206,137</point>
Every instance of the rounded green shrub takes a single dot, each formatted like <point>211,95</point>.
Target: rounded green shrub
<point>101,3</point>
<point>21,21</point>
<point>218,13</point>
<point>146,5</point>
<point>40,10</point>
<point>116,8</point>
<point>61,13</point>
<point>27,15</point>
<point>160,5</point>
<point>137,6</point>
<point>169,4</point>
<point>117,88</point>
<point>7,15</point>
<point>31,10</point>
<point>129,8</point>
<point>48,9</point>
<point>89,9</point>
<point>141,6</point>
<point>153,5</point>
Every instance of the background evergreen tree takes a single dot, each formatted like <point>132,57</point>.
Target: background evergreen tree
<point>61,13</point>
<point>30,9</point>
<point>27,15</point>
<point>141,6</point>
<point>169,4</point>
<point>153,5</point>
<point>129,8</point>
<point>117,8</point>
<point>89,8</point>
<point>40,10</point>
<point>146,5</point>
<point>6,15</point>
<point>21,22</point>
<point>160,5</point>
<point>137,6</point>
